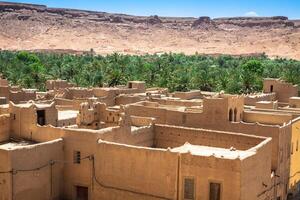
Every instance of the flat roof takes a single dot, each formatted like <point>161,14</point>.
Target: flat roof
<point>12,144</point>
<point>213,151</point>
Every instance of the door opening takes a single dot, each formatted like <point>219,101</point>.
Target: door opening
<point>41,120</point>
<point>82,193</point>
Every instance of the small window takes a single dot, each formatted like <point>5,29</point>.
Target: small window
<point>77,157</point>
<point>189,189</point>
<point>230,115</point>
<point>292,148</point>
<point>271,88</point>
<point>235,114</point>
<point>14,116</point>
<point>184,118</point>
<point>297,145</point>
<point>214,191</point>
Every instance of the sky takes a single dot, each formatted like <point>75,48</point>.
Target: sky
<point>183,8</point>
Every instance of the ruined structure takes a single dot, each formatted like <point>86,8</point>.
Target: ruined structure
<point>129,142</point>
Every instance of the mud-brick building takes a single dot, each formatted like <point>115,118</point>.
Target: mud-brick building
<point>133,159</point>
<point>129,142</point>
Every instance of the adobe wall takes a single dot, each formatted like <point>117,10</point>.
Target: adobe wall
<point>4,127</point>
<point>205,170</point>
<point>266,117</point>
<point>70,104</point>
<point>282,89</point>
<point>119,169</point>
<point>255,171</point>
<point>176,102</point>
<point>140,86</point>
<point>78,93</point>
<point>4,92</point>
<point>172,136</point>
<point>24,119</point>
<point>252,99</point>
<point>266,104</point>
<point>57,84</point>
<point>3,82</point>
<point>85,140</point>
<point>125,99</point>
<point>294,102</point>
<point>21,95</point>
<point>295,157</point>
<point>5,183</point>
<point>283,170</point>
<point>141,121</point>
<point>36,184</point>
<point>187,95</point>
<point>139,110</point>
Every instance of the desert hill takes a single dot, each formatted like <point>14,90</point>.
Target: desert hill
<point>39,28</point>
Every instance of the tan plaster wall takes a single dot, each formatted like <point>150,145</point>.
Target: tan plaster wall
<point>188,95</point>
<point>4,92</point>
<point>176,102</point>
<point>252,99</point>
<point>266,118</point>
<point>3,82</point>
<point>4,127</point>
<point>282,89</point>
<point>174,136</point>
<point>255,171</point>
<point>294,102</point>
<point>21,95</point>
<point>210,169</point>
<point>125,167</point>
<point>294,182</point>
<point>124,99</point>
<point>5,178</point>
<point>36,184</point>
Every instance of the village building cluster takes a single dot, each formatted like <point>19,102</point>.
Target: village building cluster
<point>132,142</point>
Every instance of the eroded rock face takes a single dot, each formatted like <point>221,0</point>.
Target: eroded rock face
<point>39,28</point>
<point>154,20</point>
<point>203,22</point>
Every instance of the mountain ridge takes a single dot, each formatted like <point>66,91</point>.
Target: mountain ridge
<point>33,27</point>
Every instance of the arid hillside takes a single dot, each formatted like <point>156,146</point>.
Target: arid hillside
<point>36,27</point>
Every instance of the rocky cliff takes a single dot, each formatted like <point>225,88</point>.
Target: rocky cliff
<point>37,27</point>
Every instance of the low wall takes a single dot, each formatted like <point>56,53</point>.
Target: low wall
<point>187,95</point>
<point>128,172</point>
<point>252,99</point>
<point>173,136</point>
<point>266,117</point>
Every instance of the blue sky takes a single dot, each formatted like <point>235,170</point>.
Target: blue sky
<point>184,8</point>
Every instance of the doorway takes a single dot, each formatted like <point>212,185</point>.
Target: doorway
<point>41,117</point>
<point>82,193</point>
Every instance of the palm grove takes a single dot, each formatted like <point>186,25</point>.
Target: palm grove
<point>178,72</point>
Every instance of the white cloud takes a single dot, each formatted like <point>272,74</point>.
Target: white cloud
<point>251,14</point>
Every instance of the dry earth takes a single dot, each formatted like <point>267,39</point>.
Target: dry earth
<point>36,27</point>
